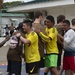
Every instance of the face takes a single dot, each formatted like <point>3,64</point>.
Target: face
<point>65,26</point>
<point>25,27</point>
<point>41,17</point>
<point>49,23</point>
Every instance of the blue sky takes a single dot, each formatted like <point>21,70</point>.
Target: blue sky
<point>17,0</point>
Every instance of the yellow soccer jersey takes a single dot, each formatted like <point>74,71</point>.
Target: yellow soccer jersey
<point>31,50</point>
<point>51,44</point>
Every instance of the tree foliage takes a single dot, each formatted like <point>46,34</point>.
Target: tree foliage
<point>9,4</point>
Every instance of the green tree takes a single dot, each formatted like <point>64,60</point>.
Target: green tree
<point>9,4</point>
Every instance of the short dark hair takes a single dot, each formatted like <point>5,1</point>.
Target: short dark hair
<point>20,25</point>
<point>28,22</point>
<point>73,21</point>
<point>51,18</point>
<point>60,18</point>
<point>37,14</point>
<point>12,24</point>
<point>67,21</point>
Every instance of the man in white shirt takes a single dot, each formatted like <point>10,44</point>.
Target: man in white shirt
<point>69,49</point>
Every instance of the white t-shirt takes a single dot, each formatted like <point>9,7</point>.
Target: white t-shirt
<point>69,42</point>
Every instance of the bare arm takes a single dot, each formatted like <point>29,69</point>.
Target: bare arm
<point>4,41</point>
<point>61,38</point>
<point>24,40</point>
<point>59,41</point>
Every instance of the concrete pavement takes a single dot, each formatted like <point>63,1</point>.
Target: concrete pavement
<point>3,54</point>
<point>3,61</point>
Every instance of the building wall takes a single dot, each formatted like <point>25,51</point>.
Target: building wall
<point>69,12</point>
<point>8,21</point>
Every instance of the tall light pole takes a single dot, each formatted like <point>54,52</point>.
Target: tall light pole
<point>1,3</point>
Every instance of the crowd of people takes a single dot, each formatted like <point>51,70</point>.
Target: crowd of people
<point>9,29</point>
<point>42,46</point>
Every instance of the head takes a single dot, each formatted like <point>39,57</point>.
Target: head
<point>73,22</point>
<point>6,25</point>
<point>27,25</point>
<point>38,15</point>
<point>66,25</point>
<point>20,27</point>
<point>60,18</point>
<point>11,24</point>
<point>50,21</point>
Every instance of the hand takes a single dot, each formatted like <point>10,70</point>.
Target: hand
<point>37,30</point>
<point>7,38</point>
<point>18,34</point>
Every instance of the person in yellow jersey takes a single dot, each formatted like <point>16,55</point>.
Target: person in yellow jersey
<point>50,38</point>
<point>32,55</point>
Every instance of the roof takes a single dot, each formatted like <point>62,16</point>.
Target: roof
<point>32,2</point>
<point>9,14</point>
<point>37,1</point>
<point>39,5</point>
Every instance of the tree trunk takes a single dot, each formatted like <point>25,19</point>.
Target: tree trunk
<point>1,3</point>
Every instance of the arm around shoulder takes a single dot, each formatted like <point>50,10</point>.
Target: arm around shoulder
<point>24,40</point>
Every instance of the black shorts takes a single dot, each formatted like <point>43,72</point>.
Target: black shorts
<point>32,68</point>
<point>11,32</point>
<point>14,67</point>
<point>59,60</point>
<point>42,63</point>
<point>7,33</point>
